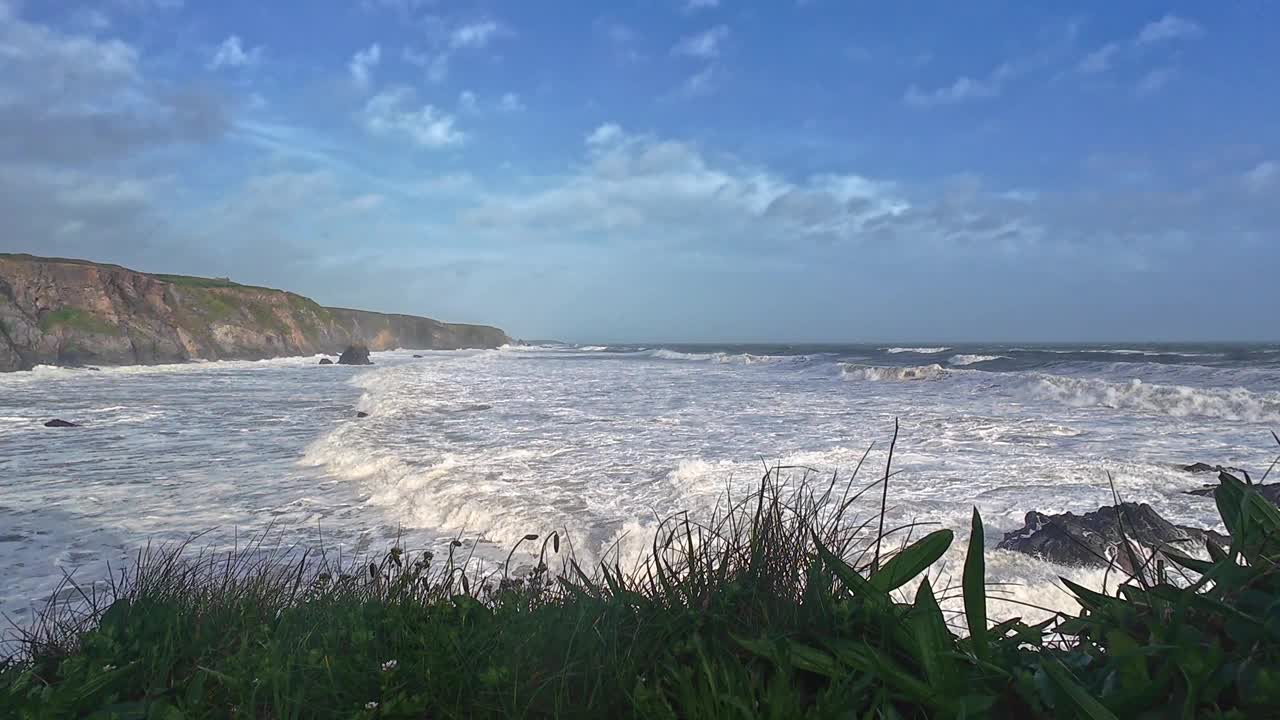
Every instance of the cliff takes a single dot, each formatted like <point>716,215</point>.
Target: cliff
<point>73,312</point>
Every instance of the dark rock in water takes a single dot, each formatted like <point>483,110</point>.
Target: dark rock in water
<point>326,361</point>
<point>417,356</point>
<point>93,369</point>
<point>362,414</point>
<point>1094,539</point>
<point>1206,467</point>
<point>1201,467</point>
<point>1269,492</point>
<point>55,423</point>
<point>355,355</point>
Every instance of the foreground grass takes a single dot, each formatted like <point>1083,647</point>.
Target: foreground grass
<point>773,608</point>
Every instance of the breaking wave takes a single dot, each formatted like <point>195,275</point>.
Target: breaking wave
<point>893,374</point>
<point>1172,400</point>
<point>725,358</point>
<point>974,359</point>
<point>920,350</point>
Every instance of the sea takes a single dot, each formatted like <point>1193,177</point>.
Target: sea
<point>603,442</point>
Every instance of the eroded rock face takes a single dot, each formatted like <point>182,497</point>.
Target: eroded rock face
<point>355,355</point>
<point>76,313</point>
<point>1094,539</point>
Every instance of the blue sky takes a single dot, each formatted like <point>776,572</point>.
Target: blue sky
<point>676,170</point>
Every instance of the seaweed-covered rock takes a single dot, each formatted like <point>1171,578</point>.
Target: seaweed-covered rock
<point>355,355</point>
<point>1095,540</point>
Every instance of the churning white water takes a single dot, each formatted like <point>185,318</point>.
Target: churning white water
<point>603,442</point>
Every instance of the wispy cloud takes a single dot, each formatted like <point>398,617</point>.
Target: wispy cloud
<point>705,44</point>
<point>700,83</point>
<point>395,113</point>
<point>1262,176</point>
<point>1154,81</point>
<point>691,6</point>
<point>474,36</point>
<point>1169,27</point>
<point>1098,61</point>
<point>362,65</point>
<point>963,88</point>
<point>231,54</point>
<point>510,102</point>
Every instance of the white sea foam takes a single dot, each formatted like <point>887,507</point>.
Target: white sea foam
<point>493,445</point>
<point>920,350</point>
<point>974,359</point>
<point>894,374</point>
<point>1172,400</point>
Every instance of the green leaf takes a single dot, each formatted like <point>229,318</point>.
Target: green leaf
<point>912,561</point>
<point>1080,698</point>
<point>975,590</point>
<point>853,582</point>
<point>933,641</point>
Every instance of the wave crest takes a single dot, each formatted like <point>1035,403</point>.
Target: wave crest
<point>918,350</point>
<point>1173,400</point>
<point>974,359</point>
<point>933,371</point>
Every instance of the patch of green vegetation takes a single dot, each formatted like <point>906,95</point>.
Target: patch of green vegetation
<point>775,607</point>
<point>212,306</point>
<point>200,282</point>
<point>265,316</point>
<point>77,319</point>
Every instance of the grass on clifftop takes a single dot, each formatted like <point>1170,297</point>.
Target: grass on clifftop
<point>77,319</point>
<point>772,608</point>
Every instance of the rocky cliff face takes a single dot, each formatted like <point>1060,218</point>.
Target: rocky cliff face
<point>73,312</point>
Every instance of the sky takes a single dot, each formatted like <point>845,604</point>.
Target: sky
<point>678,170</point>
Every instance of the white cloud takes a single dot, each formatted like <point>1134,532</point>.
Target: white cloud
<point>90,19</point>
<point>362,65</point>
<point>510,102</point>
<point>394,113</point>
<point>1154,81</point>
<point>964,88</point>
<point>468,103</point>
<point>231,54</point>
<point>1099,60</point>
<point>700,83</point>
<point>365,202</point>
<point>475,35</point>
<point>1263,176</point>
<point>436,65</point>
<point>604,135</point>
<point>696,5</point>
<point>704,44</point>
<point>1169,27</point>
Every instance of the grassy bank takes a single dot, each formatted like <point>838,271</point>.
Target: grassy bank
<point>775,607</point>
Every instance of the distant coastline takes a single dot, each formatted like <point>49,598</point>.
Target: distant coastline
<point>72,312</point>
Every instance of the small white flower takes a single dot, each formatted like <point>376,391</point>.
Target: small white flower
<point>389,665</point>
<point>108,668</point>
<point>371,705</point>
<point>256,682</point>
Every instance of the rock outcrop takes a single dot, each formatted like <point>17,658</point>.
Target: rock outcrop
<point>74,312</point>
<point>355,355</point>
<point>57,423</point>
<point>1094,539</point>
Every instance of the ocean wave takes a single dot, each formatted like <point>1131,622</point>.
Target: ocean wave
<point>724,358</point>
<point>974,359</point>
<point>893,374</point>
<point>1173,400</point>
<point>919,350</point>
